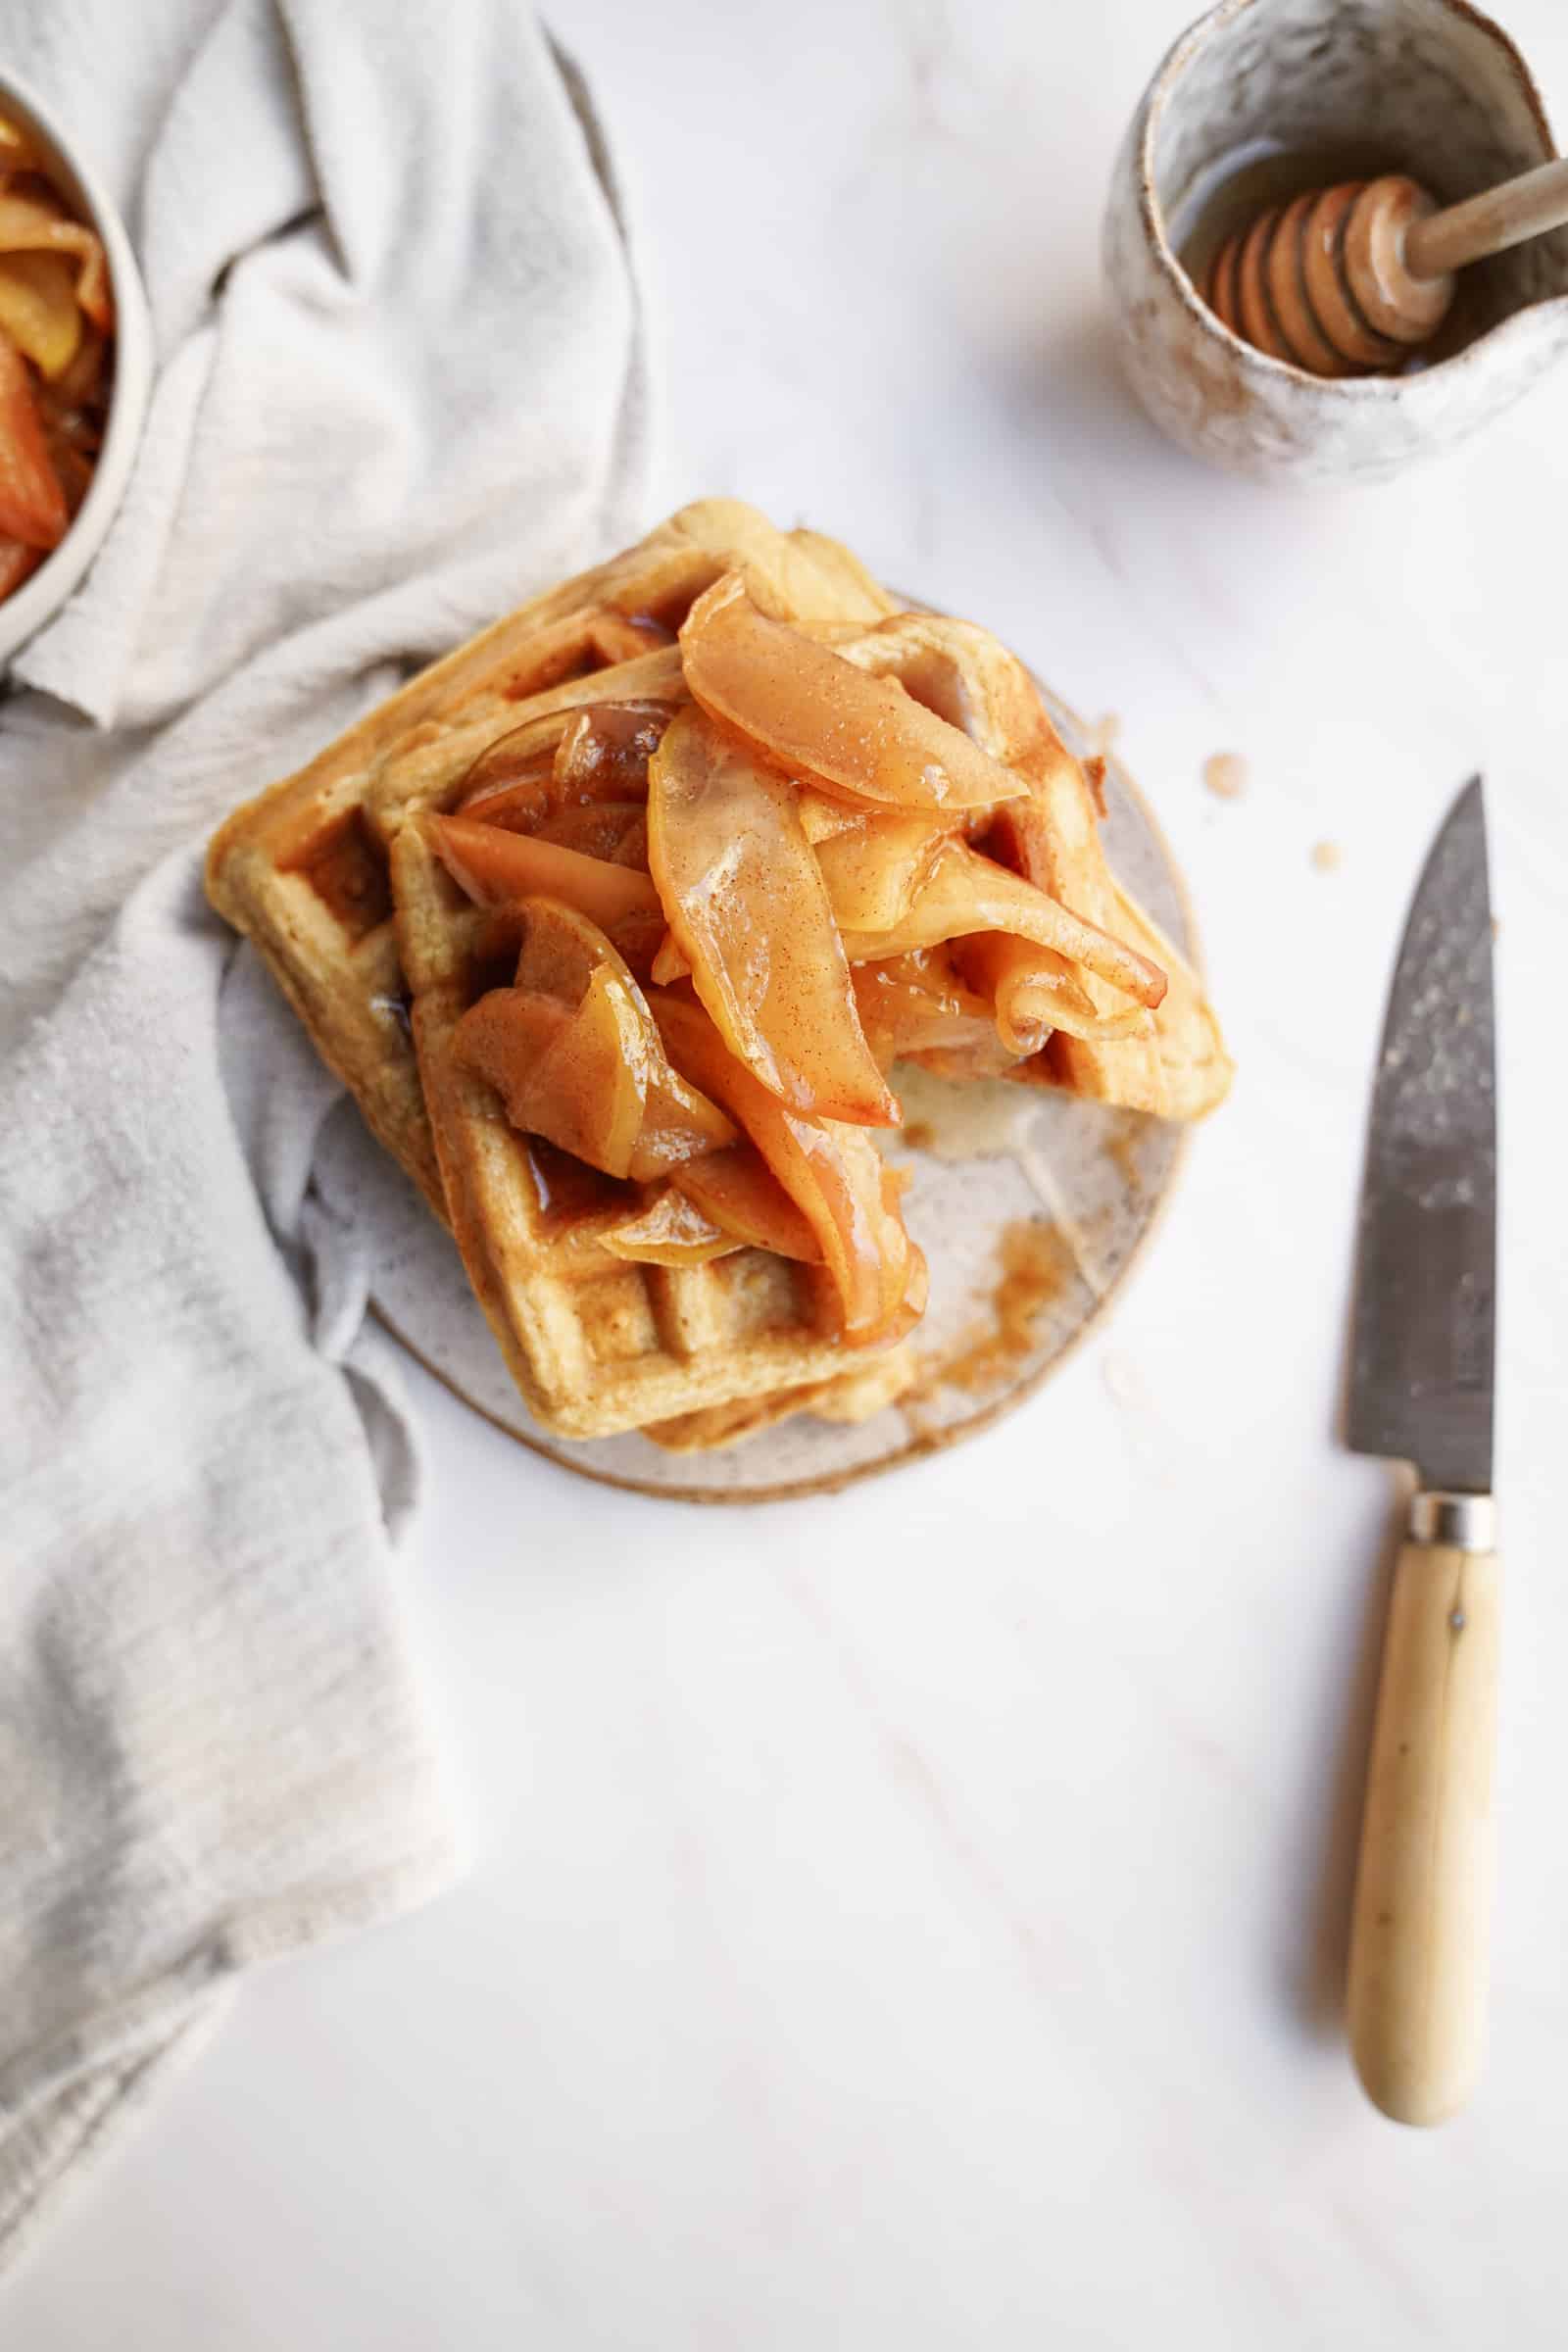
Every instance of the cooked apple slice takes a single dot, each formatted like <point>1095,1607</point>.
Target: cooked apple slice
<point>737,1191</point>
<point>964,892</point>
<point>80,389</point>
<point>616,831</point>
<point>36,224</point>
<point>518,806</point>
<point>564,759</point>
<point>917,1004</point>
<point>671,1231</point>
<point>873,867</point>
<point>605,752</point>
<point>559,951</point>
<point>511,783</point>
<point>18,153</point>
<point>16,563</point>
<point>910,1301</point>
<point>32,505</point>
<point>594,1074</point>
<point>573,1052</point>
<point>814,714</point>
<point>40,310</point>
<point>1034,991</point>
<point>559,954</point>
<point>962,1065</point>
<point>571,1077</point>
<point>680,1125</point>
<point>493,866</point>
<point>669,964</point>
<point>822,816</point>
<point>745,898</point>
<point>833,1173</point>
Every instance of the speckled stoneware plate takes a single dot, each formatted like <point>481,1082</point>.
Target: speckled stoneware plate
<point>1031,1208</point>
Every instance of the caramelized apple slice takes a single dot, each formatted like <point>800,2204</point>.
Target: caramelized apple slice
<point>671,964</point>
<point>38,223</point>
<point>815,715</point>
<point>32,505</point>
<point>680,1125</point>
<point>616,831</point>
<point>16,563</point>
<point>16,150</point>
<point>38,309</point>
<point>964,892</point>
<point>573,1052</point>
<point>822,816</point>
<point>744,897</point>
<point>559,951</point>
<point>909,1299</point>
<point>605,752</point>
<point>493,866</point>
<point>511,783</point>
<point>565,760</point>
<point>82,389</point>
<point>874,868</point>
<point>963,1065</point>
<point>1034,991</point>
<point>671,1231</point>
<point>559,955</point>
<point>737,1191</point>
<point>571,1077</point>
<point>831,1171</point>
<point>917,1004</point>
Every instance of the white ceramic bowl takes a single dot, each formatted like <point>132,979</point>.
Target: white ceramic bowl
<point>1430,87</point>
<point>40,597</point>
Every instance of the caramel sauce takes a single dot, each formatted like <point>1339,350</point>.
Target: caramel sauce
<point>601,641</point>
<point>585,646</point>
<point>1225,774</point>
<point>568,1188</point>
<point>620,637</point>
<point>344,866</point>
<point>667,614</point>
<point>1036,1267</point>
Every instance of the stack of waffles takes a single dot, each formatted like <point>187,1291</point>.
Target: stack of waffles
<point>335,874</point>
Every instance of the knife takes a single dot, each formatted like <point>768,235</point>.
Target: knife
<point>1420,1390</point>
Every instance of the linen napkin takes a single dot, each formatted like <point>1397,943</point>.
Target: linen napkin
<point>399,387</point>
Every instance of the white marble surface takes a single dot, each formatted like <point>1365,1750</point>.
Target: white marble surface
<point>914,1920</point>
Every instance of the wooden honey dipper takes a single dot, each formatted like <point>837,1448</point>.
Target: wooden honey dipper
<point>1355,277</point>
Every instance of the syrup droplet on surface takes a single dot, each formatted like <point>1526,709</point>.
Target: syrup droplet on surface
<point>1225,774</point>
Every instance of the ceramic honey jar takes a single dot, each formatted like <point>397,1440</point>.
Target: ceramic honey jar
<point>1263,99</point>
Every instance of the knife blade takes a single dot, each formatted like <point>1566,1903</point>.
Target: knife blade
<point>1423,1339</point>
<point>1421,1389</point>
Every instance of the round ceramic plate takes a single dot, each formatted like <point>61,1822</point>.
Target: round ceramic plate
<point>1030,1206</point>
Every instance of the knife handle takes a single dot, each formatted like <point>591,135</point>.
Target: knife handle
<point>1423,1895</point>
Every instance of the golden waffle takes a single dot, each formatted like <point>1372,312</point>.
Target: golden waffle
<point>850,1396</point>
<point>333,877</point>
